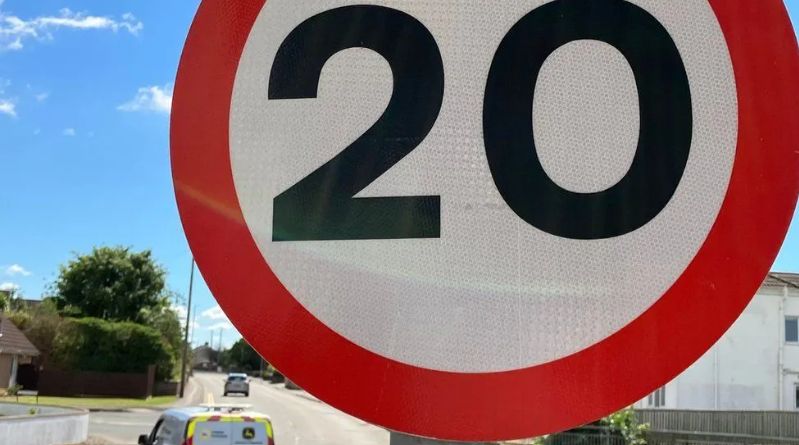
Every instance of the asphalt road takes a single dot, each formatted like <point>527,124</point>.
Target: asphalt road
<point>298,418</point>
<point>121,428</point>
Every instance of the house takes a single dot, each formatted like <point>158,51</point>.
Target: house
<point>205,358</point>
<point>754,366</point>
<point>15,350</point>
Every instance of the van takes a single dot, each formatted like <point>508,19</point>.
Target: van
<point>211,425</point>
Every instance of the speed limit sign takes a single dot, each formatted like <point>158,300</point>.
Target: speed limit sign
<point>490,219</point>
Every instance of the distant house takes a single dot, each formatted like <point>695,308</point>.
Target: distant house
<point>754,366</point>
<point>205,358</point>
<point>28,304</point>
<point>15,350</point>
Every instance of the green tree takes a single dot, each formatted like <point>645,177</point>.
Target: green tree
<point>241,357</point>
<point>111,283</point>
<point>166,321</point>
<point>5,300</point>
<point>40,325</point>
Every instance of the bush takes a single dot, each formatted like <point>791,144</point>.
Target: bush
<point>626,423</point>
<point>14,390</point>
<point>91,344</point>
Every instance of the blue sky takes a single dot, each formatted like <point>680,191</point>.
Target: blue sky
<point>85,90</point>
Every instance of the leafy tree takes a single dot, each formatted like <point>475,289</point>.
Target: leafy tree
<point>91,344</point>
<point>5,300</point>
<point>166,321</point>
<point>40,325</point>
<point>241,357</point>
<point>111,283</point>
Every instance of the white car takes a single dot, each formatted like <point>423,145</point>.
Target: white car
<point>237,383</point>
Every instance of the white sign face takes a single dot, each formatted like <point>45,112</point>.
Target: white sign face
<point>492,292</point>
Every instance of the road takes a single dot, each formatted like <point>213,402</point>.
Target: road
<point>298,418</point>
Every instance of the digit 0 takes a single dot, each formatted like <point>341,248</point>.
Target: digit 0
<point>665,109</point>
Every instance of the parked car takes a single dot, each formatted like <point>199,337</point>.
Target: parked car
<point>237,383</point>
<point>211,425</point>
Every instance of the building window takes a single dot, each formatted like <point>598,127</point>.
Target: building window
<point>792,330</point>
<point>796,397</point>
<point>658,398</point>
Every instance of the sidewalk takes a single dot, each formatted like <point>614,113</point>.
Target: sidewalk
<point>281,386</point>
<point>191,397</point>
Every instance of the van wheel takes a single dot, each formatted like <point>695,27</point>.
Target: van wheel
<point>224,394</point>
<point>246,394</point>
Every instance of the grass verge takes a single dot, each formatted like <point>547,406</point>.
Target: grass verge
<point>95,402</point>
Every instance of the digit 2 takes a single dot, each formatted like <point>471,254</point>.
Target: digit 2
<point>322,206</point>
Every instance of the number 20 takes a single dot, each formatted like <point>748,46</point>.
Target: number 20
<point>322,206</point>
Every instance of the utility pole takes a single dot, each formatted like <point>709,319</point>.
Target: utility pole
<point>193,325</point>
<point>186,334</point>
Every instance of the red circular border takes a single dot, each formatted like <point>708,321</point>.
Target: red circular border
<point>650,351</point>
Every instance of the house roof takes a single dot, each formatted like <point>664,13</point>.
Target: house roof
<point>13,341</point>
<point>780,279</point>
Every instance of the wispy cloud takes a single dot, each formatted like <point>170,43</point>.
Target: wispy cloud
<point>181,311</point>
<point>8,107</point>
<point>9,287</point>
<point>150,99</point>
<point>15,31</point>
<point>224,326</point>
<point>69,132</point>
<point>15,269</point>
<point>214,313</point>
<point>41,97</point>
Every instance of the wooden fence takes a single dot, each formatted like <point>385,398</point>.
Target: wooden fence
<point>60,383</point>
<point>771,424</point>
<point>673,427</point>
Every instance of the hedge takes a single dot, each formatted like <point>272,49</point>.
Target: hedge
<point>92,344</point>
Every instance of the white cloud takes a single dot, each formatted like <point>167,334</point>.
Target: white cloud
<point>15,45</point>
<point>181,311</point>
<point>153,98</point>
<point>9,287</point>
<point>14,31</point>
<point>224,326</point>
<point>8,107</point>
<point>41,97</point>
<point>15,269</point>
<point>215,313</point>
<point>69,132</point>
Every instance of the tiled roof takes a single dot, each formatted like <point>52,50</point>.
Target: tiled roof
<point>13,341</point>
<point>779,279</point>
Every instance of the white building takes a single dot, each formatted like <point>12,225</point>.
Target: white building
<point>755,365</point>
